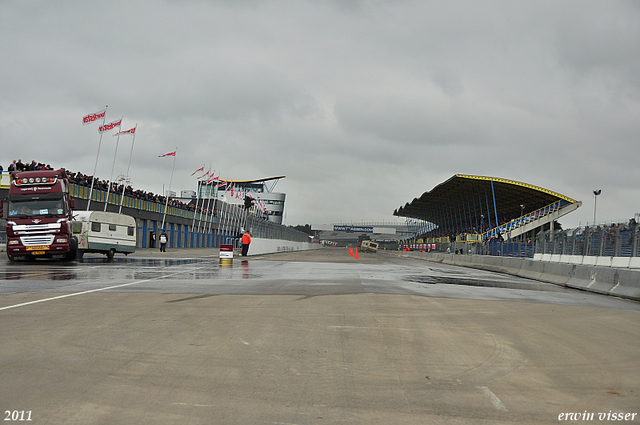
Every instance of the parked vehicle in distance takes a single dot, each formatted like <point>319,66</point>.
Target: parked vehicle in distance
<point>104,232</point>
<point>369,246</point>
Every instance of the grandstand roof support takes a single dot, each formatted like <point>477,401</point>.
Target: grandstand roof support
<point>495,208</point>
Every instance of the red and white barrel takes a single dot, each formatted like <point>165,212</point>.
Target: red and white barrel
<point>226,255</point>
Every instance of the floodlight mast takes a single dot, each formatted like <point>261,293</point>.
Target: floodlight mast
<point>595,203</point>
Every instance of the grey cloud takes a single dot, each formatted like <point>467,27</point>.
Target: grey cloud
<point>411,92</point>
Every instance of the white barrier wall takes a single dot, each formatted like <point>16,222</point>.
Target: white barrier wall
<point>615,262</point>
<point>269,246</point>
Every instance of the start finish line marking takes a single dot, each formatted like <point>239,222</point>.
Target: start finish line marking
<point>137,282</point>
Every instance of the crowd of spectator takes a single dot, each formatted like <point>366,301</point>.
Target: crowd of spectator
<point>113,187</point>
<point>18,165</point>
<point>609,231</point>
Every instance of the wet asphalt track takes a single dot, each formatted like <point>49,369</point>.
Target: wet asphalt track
<point>306,338</point>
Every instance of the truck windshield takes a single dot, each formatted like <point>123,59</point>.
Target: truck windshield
<point>32,208</point>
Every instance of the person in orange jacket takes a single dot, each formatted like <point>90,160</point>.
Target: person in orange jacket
<point>246,240</point>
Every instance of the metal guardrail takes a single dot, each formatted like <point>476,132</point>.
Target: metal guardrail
<point>616,240</point>
<point>499,249</point>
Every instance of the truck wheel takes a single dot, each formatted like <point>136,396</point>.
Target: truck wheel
<point>73,252</point>
<point>111,253</point>
<point>11,257</point>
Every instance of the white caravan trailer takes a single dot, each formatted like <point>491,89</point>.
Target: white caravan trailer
<point>104,232</point>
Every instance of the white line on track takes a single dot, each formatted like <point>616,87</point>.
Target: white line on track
<point>494,398</point>
<point>96,290</point>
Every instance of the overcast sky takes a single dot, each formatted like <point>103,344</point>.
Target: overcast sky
<point>362,105</point>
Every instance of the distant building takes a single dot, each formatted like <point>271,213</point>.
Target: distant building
<point>267,202</point>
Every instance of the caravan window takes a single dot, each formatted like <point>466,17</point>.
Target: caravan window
<point>95,226</point>
<point>112,227</point>
<point>130,231</point>
<point>76,227</point>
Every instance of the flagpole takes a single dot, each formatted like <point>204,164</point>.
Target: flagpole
<point>112,167</point>
<point>210,211</point>
<point>234,220</point>
<point>225,227</point>
<point>95,167</point>
<point>206,228</point>
<point>195,211</point>
<point>236,216</point>
<point>201,207</point>
<point>211,215</point>
<point>166,204</point>
<point>203,212</point>
<point>228,214</point>
<point>124,189</point>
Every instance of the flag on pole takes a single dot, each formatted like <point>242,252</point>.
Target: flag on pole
<point>199,169</point>
<point>130,131</point>
<point>110,126</point>
<point>88,119</point>
<point>168,154</point>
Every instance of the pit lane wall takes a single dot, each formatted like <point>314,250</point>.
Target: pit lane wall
<point>270,246</point>
<point>621,282</point>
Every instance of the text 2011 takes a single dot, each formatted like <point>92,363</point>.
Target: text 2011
<point>17,415</point>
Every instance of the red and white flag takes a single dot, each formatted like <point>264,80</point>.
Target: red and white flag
<point>199,169</point>
<point>130,131</point>
<point>110,126</point>
<point>168,154</point>
<point>88,119</point>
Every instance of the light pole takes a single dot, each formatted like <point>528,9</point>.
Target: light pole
<point>595,202</point>
<point>522,221</point>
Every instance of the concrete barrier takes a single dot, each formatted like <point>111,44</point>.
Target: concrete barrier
<point>574,259</point>
<point>269,246</point>
<point>620,262</point>
<point>622,282</point>
<point>604,261</point>
<point>557,273</point>
<point>511,265</point>
<point>532,269</point>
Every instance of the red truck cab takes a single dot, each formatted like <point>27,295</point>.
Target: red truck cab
<point>39,212</point>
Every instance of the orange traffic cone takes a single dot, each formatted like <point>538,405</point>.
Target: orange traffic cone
<point>357,253</point>
<point>351,252</point>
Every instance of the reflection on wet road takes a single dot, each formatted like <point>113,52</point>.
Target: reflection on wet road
<point>389,275</point>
